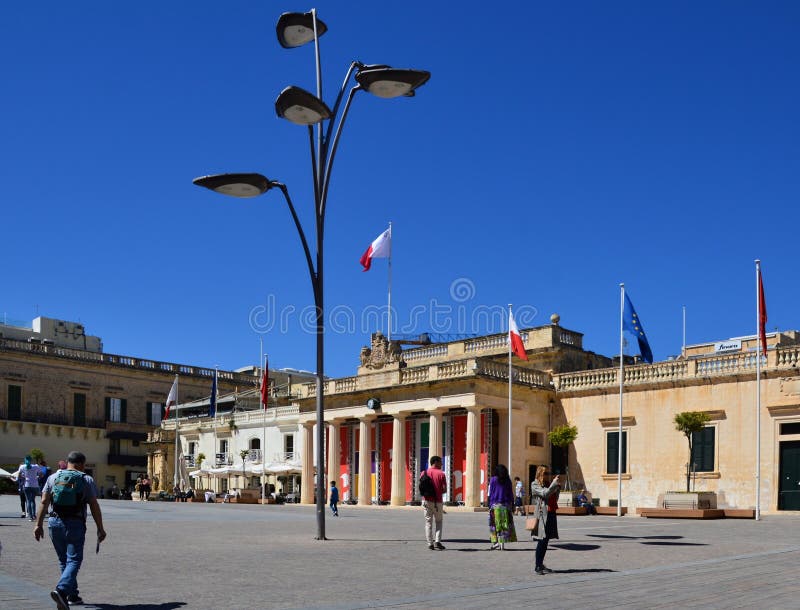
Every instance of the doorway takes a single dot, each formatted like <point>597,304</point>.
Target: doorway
<point>789,487</point>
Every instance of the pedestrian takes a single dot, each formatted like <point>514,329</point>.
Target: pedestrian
<point>44,472</point>
<point>584,502</point>
<point>30,473</point>
<point>23,502</point>
<point>519,493</point>
<point>501,500</point>
<point>334,499</point>
<point>176,493</point>
<point>145,488</point>
<point>138,487</point>
<point>67,493</point>
<point>114,492</point>
<point>545,502</point>
<point>433,486</point>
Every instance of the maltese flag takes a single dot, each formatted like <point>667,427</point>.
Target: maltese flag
<point>172,397</point>
<point>517,346</point>
<point>380,248</point>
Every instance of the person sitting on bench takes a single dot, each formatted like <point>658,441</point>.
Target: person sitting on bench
<point>583,501</point>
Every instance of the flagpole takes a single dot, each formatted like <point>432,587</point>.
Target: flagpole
<point>389,331</point>
<point>264,437</point>
<point>758,388</point>
<point>216,408</point>
<point>683,350</point>
<point>509,390</point>
<point>621,387</point>
<point>175,482</point>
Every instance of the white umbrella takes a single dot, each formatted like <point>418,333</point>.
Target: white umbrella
<point>4,474</point>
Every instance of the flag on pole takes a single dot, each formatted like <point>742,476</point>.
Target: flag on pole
<point>517,346</point>
<point>632,323</point>
<point>265,383</point>
<point>380,248</point>
<point>172,397</point>
<point>212,405</point>
<point>762,314</point>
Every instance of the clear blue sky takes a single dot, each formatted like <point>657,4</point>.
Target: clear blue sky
<point>558,150</point>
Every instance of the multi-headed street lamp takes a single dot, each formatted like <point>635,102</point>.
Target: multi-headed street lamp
<point>303,108</point>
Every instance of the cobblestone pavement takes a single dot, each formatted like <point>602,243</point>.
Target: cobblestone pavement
<point>162,556</point>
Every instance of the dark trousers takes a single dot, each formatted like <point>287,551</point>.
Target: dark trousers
<point>541,549</point>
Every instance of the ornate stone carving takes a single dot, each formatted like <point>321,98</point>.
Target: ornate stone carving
<point>381,352</point>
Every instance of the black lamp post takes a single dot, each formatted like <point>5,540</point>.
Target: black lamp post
<point>303,108</point>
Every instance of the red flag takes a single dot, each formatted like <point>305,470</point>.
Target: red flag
<point>517,346</point>
<point>265,384</point>
<point>381,247</point>
<point>172,397</point>
<point>762,314</point>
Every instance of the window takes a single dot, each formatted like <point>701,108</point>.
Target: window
<point>15,402</point>
<point>116,409</point>
<point>535,439</point>
<point>223,446</point>
<point>155,411</point>
<point>114,446</point>
<point>79,409</point>
<point>790,428</point>
<point>703,449</point>
<point>288,444</point>
<point>612,452</point>
<point>192,448</point>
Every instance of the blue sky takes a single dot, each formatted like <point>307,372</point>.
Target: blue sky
<point>558,150</point>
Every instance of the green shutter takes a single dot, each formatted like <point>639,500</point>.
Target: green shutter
<point>612,451</point>
<point>123,410</point>
<point>108,408</point>
<point>703,449</point>
<point>149,413</point>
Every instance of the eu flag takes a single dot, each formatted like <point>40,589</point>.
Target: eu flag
<point>632,323</point>
<point>212,405</point>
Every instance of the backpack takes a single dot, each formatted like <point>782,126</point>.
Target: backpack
<point>68,492</point>
<point>426,487</point>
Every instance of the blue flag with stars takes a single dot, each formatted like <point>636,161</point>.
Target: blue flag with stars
<point>632,323</point>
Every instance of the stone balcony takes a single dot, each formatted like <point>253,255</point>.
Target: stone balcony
<point>781,358</point>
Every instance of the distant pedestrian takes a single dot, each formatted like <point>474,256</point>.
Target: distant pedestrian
<point>30,473</point>
<point>501,500</point>
<point>433,486</point>
<point>138,487</point>
<point>68,492</point>
<point>44,472</point>
<point>145,488</point>
<point>519,493</point>
<point>545,502</point>
<point>334,499</point>
<point>23,502</point>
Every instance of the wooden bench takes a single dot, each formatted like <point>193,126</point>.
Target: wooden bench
<point>681,513</point>
<point>572,510</point>
<point>610,510</point>
<point>740,513</point>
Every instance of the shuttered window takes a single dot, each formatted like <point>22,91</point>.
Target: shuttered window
<point>612,451</point>
<point>79,409</point>
<point>15,402</point>
<point>703,449</point>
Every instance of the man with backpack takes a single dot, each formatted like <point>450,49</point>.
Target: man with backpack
<point>432,486</point>
<point>66,494</point>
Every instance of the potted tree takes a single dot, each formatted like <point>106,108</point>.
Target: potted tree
<point>690,422</point>
<point>561,437</point>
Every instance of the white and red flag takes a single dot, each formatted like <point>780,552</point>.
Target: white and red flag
<point>265,383</point>
<point>172,397</point>
<point>381,247</point>
<point>762,314</point>
<point>517,346</point>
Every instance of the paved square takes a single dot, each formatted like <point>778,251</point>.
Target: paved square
<point>161,556</point>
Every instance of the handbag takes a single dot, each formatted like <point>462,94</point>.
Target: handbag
<point>531,523</point>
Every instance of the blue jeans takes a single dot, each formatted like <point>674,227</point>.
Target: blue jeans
<point>68,537</point>
<point>334,508</point>
<point>30,501</point>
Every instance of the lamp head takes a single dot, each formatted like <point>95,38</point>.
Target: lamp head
<point>236,185</point>
<point>301,107</point>
<point>296,29</point>
<point>387,82</point>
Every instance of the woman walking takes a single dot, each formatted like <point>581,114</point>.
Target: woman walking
<point>545,502</point>
<point>501,502</point>
<point>30,473</point>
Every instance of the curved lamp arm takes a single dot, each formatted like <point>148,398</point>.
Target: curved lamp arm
<point>309,261</point>
<point>329,161</point>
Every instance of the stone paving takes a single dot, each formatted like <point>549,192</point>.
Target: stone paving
<point>164,556</point>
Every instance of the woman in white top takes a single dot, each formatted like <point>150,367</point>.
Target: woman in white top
<point>30,474</point>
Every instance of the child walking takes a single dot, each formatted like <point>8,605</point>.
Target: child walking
<point>334,499</point>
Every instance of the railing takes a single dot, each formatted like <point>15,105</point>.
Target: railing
<point>345,384</point>
<point>498,370</point>
<point>673,370</point>
<point>125,361</point>
<point>286,457</point>
<point>54,419</point>
<point>424,353</point>
<point>224,459</point>
<point>190,460</point>
<point>416,374</point>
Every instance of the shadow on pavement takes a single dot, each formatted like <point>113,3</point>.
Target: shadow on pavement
<point>166,606</point>
<point>586,571</point>
<point>668,543</point>
<point>571,546</point>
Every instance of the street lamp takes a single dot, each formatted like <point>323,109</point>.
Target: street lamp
<point>304,108</point>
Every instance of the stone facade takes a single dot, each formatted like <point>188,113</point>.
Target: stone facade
<point>58,399</point>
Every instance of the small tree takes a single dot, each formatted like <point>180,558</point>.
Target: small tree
<point>690,422</point>
<point>37,455</point>
<point>562,436</point>
<point>243,454</point>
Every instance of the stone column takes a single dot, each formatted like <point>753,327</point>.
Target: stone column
<point>435,434</point>
<point>364,462</point>
<point>307,484</point>
<point>473,472</point>
<point>334,451</point>
<point>398,461</point>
